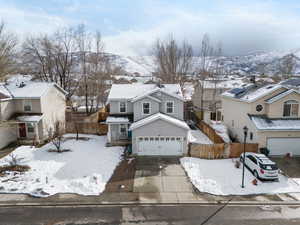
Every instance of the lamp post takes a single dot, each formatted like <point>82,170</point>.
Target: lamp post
<point>245,138</point>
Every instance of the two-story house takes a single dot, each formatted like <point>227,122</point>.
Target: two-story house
<point>28,110</point>
<point>270,112</point>
<point>148,116</point>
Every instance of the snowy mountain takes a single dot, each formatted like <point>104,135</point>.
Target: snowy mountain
<point>258,62</point>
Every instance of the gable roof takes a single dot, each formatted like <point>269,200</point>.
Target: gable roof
<point>159,116</point>
<point>145,96</point>
<point>281,95</point>
<point>131,91</point>
<point>29,90</point>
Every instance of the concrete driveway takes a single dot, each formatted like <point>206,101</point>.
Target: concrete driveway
<point>162,178</point>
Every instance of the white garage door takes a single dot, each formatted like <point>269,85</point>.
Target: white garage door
<point>160,145</point>
<point>281,146</point>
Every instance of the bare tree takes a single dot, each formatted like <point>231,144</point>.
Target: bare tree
<point>51,58</point>
<point>174,61</point>
<point>287,66</point>
<point>8,43</point>
<point>56,135</point>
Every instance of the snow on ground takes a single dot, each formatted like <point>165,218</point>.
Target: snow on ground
<point>198,137</point>
<point>84,170</point>
<point>221,130</point>
<point>220,177</point>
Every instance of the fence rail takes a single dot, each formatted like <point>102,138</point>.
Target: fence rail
<point>203,151</point>
<point>210,132</point>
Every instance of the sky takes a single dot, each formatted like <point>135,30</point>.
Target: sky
<point>130,27</point>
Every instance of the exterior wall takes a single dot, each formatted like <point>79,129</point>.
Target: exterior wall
<point>8,134</point>
<point>264,135</point>
<point>114,107</point>
<point>53,107</point>
<point>7,109</point>
<point>138,108</point>
<point>178,105</point>
<point>35,103</point>
<point>159,128</point>
<point>275,110</point>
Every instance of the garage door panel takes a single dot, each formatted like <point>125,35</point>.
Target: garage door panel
<point>282,146</point>
<point>160,146</point>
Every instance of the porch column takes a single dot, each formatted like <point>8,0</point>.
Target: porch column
<point>36,131</point>
<point>109,134</point>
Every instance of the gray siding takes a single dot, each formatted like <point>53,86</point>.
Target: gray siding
<point>114,107</point>
<point>159,128</point>
<point>138,108</point>
<point>178,105</point>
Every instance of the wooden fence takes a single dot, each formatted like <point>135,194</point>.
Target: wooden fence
<point>219,151</point>
<point>203,151</point>
<point>87,128</point>
<point>236,149</point>
<point>210,133</point>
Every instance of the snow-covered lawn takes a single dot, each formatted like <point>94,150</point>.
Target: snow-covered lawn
<point>198,137</point>
<point>221,130</point>
<point>84,170</point>
<point>220,177</point>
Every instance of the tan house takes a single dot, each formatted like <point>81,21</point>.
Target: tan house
<point>270,112</point>
<point>28,110</point>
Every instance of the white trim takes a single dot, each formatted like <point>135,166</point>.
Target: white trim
<point>30,103</point>
<point>120,106</point>
<point>146,96</point>
<point>166,107</point>
<point>295,102</point>
<point>149,108</point>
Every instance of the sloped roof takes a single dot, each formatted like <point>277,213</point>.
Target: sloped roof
<point>267,124</point>
<point>159,116</point>
<point>114,119</point>
<point>131,91</point>
<point>281,95</point>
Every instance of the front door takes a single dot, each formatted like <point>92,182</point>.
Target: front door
<point>22,130</point>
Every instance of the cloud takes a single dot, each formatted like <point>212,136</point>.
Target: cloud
<point>240,29</point>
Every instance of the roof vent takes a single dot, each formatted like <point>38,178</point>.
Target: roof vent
<point>22,84</point>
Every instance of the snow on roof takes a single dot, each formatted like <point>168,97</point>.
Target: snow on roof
<point>113,119</point>
<point>251,94</point>
<point>29,90</point>
<point>144,96</point>
<point>223,84</point>
<point>130,91</point>
<point>159,116</point>
<point>264,123</point>
<point>281,95</point>
<point>4,93</point>
<point>29,118</point>
<point>188,91</point>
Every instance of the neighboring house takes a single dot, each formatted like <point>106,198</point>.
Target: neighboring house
<point>270,112</point>
<point>148,116</point>
<point>28,110</point>
<point>207,95</point>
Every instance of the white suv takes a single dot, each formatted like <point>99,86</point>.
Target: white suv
<point>260,165</point>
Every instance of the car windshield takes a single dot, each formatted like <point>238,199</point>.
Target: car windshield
<point>268,166</point>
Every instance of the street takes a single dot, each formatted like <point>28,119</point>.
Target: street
<point>150,214</point>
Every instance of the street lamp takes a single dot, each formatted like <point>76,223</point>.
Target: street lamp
<point>245,137</point>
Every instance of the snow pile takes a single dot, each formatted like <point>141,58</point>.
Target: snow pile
<point>84,170</point>
<point>188,91</point>
<point>221,130</point>
<point>220,177</point>
<point>198,137</point>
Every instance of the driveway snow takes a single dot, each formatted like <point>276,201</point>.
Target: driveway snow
<point>220,177</point>
<point>84,170</point>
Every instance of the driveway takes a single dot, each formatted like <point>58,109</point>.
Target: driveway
<point>162,178</point>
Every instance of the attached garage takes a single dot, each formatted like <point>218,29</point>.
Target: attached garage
<point>159,145</point>
<point>282,146</point>
<point>159,135</point>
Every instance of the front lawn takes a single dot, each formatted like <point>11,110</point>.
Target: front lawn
<point>85,169</point>
<point>220,177</point>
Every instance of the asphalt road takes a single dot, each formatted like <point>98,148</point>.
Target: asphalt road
<point>160,215</point>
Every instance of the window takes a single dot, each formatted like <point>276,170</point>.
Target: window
<point>122,107</point>
<point>169,107</point>
<point>290,108</point>
<point>141,139</point>
<point>30,128</point>
<point>27,106</point>
<point>146,108</point>
<point>252,159</point>
<point>156,139</point>
<point>151,139</point>
<point>123,129</point>
<point>251,136</point>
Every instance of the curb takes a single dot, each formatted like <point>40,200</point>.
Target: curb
<point>104,204</point>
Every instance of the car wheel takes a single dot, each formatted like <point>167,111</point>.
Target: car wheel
<point>241,159</point>
<point>256,174</point>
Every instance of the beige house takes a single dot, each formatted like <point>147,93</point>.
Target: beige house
<point>270,112</point>
<point>28,110</point>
